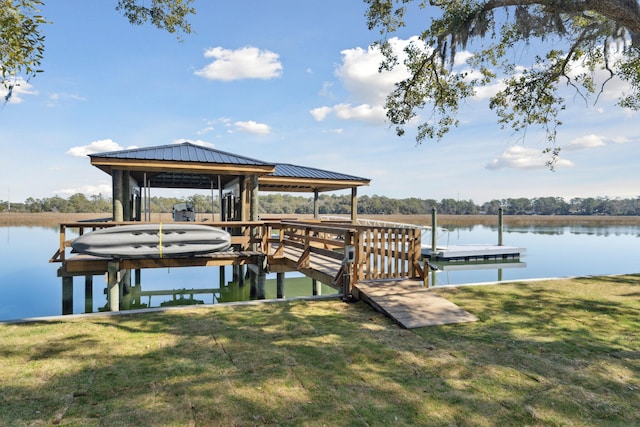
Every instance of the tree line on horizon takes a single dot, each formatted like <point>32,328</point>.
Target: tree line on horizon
<point>341,204</point>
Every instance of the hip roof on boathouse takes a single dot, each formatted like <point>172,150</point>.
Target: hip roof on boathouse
<point>187,165</point>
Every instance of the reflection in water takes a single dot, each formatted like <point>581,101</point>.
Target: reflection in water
<point>151,291</point>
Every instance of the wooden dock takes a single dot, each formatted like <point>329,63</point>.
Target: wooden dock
<point>385,270</point>
<point>410,304</point>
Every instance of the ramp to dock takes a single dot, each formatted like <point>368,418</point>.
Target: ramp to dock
<point>410,304</point>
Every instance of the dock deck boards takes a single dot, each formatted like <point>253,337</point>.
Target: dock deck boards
<point>410,304</point>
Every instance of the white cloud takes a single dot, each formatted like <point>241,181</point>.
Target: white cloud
<point>205,130</point>
<point>20,88</point>
<point>486,92</point>
<point>359,72</point>
<point>326,90</point>
<point>101,146</point>
<point>614,87</point>
<point>585,142</point>
<point>368,88</point>
<point>58,97</point>
<point>321,113</point>
<point>461,58</point>
<point>103,188</point>
<point>244,63</point>
<point>620,139</point>
<point>518,157</point>
<point>363,112</point>
<point>253,127</point>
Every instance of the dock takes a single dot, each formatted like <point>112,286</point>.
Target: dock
<point>379,265</point>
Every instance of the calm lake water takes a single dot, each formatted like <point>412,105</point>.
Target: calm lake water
<point>29,286</point>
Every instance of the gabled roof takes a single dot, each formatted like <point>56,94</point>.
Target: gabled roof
<point>188,165</point>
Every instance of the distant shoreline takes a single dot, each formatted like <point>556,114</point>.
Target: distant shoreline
<point>50,219</point>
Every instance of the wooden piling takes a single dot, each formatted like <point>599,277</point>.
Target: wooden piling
<point>67,295</point>
<point>280,285</point>
<point>113,285</point>
<point>88,294</point>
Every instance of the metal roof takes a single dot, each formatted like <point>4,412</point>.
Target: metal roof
<point>183,152</point>
<point>188,165</point>
<point>294,171</point>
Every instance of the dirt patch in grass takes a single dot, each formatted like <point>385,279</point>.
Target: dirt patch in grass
<point>561,352</point>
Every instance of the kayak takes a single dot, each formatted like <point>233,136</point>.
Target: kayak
<point>152,241</point>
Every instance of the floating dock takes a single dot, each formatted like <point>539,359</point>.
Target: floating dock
<point>476,252</point>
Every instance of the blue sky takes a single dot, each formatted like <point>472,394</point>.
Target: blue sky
<point>285,81</point>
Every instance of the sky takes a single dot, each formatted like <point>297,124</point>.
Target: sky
<point>283,81</point>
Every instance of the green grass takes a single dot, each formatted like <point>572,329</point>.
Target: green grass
<point>561,352</point>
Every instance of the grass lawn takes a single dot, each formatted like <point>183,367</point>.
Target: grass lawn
<point>561,352</point>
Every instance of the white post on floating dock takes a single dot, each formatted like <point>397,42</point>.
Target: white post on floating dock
<point>500,226</point>
<point>434,229</point>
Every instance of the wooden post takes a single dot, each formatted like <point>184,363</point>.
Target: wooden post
<point>67,295</point>
<point>253,208</point>
<point>261,284</point>
<point>88,294</point>
<point>316,208</point>
<point>113,288</point>
<point>223,281</point>
<point>280,285</point>
<point>253,281</point>
<point>126,196</point>
<point>241,275</point>
<point>354,205</point>
<point>117,197</point>
<point>124,286</point>
<point>316,287</point>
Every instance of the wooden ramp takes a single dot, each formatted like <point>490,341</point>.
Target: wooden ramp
<point>410,304</point>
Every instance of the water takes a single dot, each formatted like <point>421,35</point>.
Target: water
<point>551,251</point>
<point>29,286</point>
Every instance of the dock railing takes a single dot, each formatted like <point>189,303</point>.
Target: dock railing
<point>380,252</point>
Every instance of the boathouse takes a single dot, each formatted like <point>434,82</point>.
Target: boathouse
<point>369,262</point>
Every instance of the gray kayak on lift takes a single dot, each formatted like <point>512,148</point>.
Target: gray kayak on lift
<point>153,241</point>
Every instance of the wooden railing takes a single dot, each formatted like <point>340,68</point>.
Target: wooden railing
<point>380,253</point>
<point>388,253</point>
